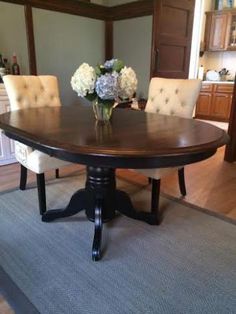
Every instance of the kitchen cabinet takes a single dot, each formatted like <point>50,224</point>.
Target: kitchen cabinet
<point>216,31</point>
<point>220,30</point>
<point>214,102</point>
<point>6,145</point>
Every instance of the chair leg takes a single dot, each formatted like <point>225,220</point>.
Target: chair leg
<point>57,173</point>
<point>149,180</point>
<point>41,193</point>
<point>155,196</point>
<point>23,177</point>
<point>182,186</point>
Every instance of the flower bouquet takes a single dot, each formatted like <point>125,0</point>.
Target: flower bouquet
<point>104,85</point>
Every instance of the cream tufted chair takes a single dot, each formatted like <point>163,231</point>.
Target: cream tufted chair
<point>34,91</point>
<point>175,97</point>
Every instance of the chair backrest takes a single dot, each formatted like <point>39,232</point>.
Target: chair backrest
<point>173,96</point>
<point>25,91</point>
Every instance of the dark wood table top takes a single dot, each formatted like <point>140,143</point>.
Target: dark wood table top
<point>132,139</point>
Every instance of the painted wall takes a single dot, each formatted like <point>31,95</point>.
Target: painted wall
<point>63,42</point>
<point>132,44</point>
<point>12,34</point>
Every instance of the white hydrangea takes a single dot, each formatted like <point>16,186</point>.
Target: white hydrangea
<point>127,83</point>
<point>83,80</point>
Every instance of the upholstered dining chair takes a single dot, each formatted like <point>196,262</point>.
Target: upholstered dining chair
<point>26,91</point>
<point>175,97</point>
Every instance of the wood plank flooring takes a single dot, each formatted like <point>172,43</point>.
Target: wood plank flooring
<point>211,184</point>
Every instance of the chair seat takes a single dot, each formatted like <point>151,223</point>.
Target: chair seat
<point>35,160</point>
<point>157,173</point>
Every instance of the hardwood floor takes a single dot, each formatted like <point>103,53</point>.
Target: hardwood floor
<point>211,184</point>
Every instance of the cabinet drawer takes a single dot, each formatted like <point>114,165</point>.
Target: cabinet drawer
<point>206,87</point>
<point>224,88</point>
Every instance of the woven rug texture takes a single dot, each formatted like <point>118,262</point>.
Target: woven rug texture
<point>185,265</point>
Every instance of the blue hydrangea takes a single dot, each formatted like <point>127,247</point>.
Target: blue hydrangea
<point>109,64</point>
<point>106,86</point>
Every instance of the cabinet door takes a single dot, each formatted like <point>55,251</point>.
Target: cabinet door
<point>203,105</point>
<point>218,31</point>
<point>220,106</point>
<point>171,41</point>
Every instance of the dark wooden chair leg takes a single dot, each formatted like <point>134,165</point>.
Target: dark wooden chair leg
<point>41,193</point>
<point>155,196</point>
<point>149,180</point>
<point>182,186</point>
<point>23,177</point>
<point>57,173</point>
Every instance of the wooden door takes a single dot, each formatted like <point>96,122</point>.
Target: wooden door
<point>172,34</point>
<point>230,152</point>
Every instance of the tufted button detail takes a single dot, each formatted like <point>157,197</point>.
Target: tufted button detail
<point>35,97</point>
<point>166,100</point>
<point>152,99</point>
<point>176,91</point>
<point>161,90</point>
<point>25,86</point>
<point>183,103</point>
<point>158,110</point>
<point>52,96</point>
<point>19,99</point>
<point>42,88</point>
<point>172,112</point>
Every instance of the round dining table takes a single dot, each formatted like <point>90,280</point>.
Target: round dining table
<point>131,139</point>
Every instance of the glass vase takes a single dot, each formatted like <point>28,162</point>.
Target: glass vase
<point>102,111</point>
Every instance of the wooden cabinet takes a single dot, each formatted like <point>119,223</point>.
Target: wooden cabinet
<point>220,30</point>
<point>214,102</point>
<point>216,32</point>
<point>6,145</point>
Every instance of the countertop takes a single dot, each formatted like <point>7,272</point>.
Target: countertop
<point>218,82</point>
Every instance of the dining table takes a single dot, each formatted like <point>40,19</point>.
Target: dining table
<point>132,139</point>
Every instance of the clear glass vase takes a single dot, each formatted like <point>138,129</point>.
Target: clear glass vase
<point>102,111</point>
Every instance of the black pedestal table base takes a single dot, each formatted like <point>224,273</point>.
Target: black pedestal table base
<point>100,199</point>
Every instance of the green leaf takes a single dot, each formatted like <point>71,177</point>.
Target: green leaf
<point>98,71</point>
<point>118,65</point>
<point>91,97</point>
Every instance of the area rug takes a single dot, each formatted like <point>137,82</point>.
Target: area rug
<point>185,265</point>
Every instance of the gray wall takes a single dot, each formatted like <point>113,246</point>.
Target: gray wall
<point>63,42</point>
<point>13,35</point>
<point>132,44</point>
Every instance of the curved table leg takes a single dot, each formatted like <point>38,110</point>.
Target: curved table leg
<point>100,200</point>
<point>96,250</point>
<point>78,202</point>
<point>125,207</point>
